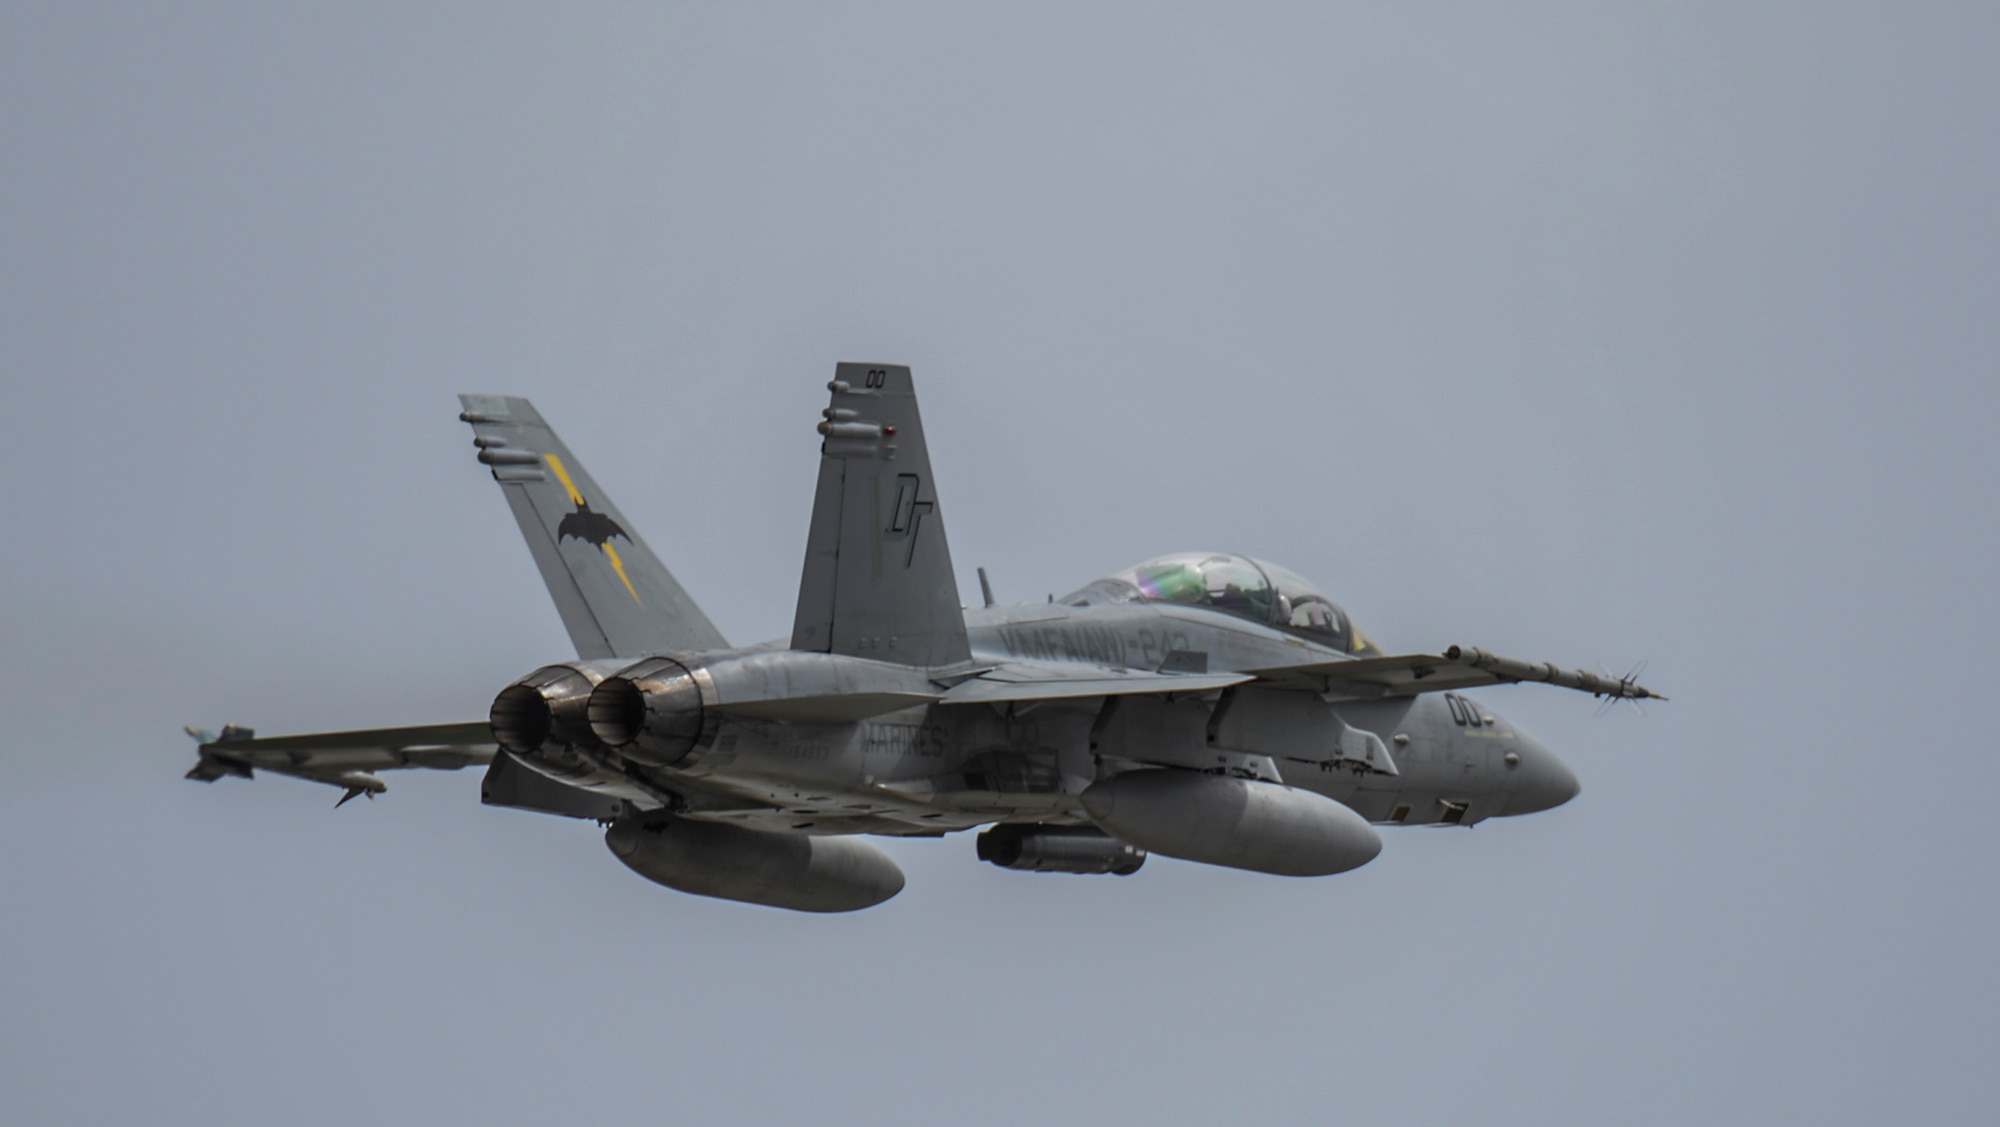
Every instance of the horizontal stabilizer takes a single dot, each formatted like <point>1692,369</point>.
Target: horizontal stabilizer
<point>507,783</point>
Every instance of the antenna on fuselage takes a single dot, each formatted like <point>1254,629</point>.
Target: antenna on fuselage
<point>985,588</point>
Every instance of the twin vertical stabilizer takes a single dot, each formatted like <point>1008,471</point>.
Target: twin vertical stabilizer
<point>878,581</point>
<point>615,597</point>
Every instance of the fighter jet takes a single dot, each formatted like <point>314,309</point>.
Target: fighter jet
<point>1205,706</point>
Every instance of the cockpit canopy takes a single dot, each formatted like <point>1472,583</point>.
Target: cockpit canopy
<point>1259,591</point>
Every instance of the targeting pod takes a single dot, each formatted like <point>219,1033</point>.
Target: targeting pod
<point>1059,849</point>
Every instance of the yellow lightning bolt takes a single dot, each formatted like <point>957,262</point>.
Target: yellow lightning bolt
<point>576,498</point>
<point>618,565</point>
<point>562,475</point>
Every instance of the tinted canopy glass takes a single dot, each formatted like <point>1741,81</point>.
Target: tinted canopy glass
<point>1253,589</point>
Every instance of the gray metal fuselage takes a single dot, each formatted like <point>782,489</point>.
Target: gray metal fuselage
<point>1204,706</point>
<point>937,767</point>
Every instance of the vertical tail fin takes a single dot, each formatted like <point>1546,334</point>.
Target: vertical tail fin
<point>615,597</point>
<point>878,581</point>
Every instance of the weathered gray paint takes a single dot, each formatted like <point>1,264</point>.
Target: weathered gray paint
<point>877,580</point>
<point>895,711</point>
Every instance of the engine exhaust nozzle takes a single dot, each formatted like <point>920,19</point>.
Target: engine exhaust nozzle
<point>651,713</point>
<point>547,704</point>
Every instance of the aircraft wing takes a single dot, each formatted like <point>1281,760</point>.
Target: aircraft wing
<point>342,759</point>
<point>1030,680</point>
<point>1457,668</point>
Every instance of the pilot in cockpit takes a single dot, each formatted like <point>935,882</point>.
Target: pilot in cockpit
<point>1253,589</point>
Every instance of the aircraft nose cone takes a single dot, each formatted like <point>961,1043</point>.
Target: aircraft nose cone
<point>1542,781</point>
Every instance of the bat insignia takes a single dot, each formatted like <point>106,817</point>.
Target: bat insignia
<point>592,528</point>
<point>595,529</point>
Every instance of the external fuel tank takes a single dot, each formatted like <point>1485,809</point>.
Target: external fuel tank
<point>796,871</point>
<point>1240,823</point>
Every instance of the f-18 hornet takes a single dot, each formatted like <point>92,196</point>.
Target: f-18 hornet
<point>1204,706</point>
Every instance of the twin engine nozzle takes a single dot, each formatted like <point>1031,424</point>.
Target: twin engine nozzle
<point>650,712</point>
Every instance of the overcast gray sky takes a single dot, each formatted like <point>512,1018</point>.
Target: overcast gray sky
<point>1576,332</point>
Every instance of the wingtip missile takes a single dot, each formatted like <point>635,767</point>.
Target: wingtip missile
<point>1514,669</point>
<point>209,767</point>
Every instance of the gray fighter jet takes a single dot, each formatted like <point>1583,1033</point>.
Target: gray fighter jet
<point>1204,706</point>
